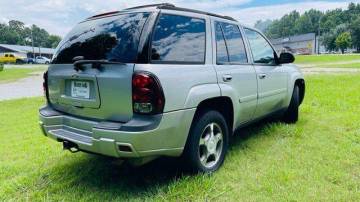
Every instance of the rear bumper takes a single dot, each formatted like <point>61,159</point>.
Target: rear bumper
<point>143,136</point>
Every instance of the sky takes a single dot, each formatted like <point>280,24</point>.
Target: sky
<point>59,16</point>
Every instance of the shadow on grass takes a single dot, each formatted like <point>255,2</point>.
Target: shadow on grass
<point>107,176</point>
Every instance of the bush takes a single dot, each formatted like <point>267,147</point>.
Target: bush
<point>1,67</point>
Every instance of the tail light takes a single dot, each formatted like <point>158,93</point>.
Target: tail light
<point>45,86</point>
<point>147,94</point>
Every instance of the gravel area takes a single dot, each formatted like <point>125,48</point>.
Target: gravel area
<point>26,87</point>
<point>315,70</point>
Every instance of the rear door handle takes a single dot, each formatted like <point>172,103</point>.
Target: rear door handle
<point>227,77</point>
<point>262,76</point>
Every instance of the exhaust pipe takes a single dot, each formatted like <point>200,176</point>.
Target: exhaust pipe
<point>72,147</point>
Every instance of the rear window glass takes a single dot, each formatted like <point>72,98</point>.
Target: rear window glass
<point>221,50</point>
<point>179,39</point>
<point>234,42</point>
<point>113,38</point>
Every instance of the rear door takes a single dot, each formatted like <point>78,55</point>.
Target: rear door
<point>100,88</point>
<point>272,78</point>
<point>236,76</point>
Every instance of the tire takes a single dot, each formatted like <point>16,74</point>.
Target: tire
<point>292,113</point>
<point>205,150</point>
<point>46,63</point>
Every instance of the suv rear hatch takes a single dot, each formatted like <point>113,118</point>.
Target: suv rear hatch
<point>98,86</point>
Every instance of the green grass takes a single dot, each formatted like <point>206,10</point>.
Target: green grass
<point>318,159</point>
<point>13,74</point>
<point>318,59</point>
<point>350,65</point>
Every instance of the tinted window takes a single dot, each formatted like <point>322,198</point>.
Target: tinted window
<point>261,50</point>
<point>113,38</point>
<point>234,42</point>
<point>179,39</point>
<point>221,51</point>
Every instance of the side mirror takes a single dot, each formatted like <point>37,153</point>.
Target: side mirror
<point>286,58</point>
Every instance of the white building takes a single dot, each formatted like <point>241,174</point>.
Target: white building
<point>27,51</point>
<point>305,44</point>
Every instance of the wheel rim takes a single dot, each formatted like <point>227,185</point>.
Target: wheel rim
<point>210,145</point>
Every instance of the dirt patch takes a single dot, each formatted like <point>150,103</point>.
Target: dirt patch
<point>318,70</point>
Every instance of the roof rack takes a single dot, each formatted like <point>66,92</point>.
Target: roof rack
<point>104,14</point>
<point>196,11</point>
<point>169,6</point>
<point>152,5</point>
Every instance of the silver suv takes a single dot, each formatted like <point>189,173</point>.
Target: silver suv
<point>159,80</point>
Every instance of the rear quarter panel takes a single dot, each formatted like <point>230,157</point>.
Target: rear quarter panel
<point>184,86</point>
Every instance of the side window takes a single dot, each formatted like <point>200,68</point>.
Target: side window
<point>261,50</point>
<point>221,51</point>
<point>179,39</point>
<point>235,43</point>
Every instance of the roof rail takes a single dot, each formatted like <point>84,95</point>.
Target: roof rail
<point>195,11</point>
<point>103,14</point>
<point>169,6</point>
<point>152,5</point>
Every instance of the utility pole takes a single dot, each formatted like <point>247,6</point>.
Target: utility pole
<point>318,36</point>
<point>32,41</point>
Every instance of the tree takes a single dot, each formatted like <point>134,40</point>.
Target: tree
<point>343,41</point>
<point>263,25</point>
<point>53,41</point>
<point>15,32</point>
<point>283,27</point>
<point>308,22</point>
<point>329,39</point>
<point>355,33</point>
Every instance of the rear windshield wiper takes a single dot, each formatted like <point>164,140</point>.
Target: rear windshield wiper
<point>96,64</point>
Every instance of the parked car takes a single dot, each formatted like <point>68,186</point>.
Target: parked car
<point>160,80</point>
<point>42,60</point>
<point>11,58</point>
<point>29,60</point>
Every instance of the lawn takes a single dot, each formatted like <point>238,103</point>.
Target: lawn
<point>318,159</point>
<point>13,74</point>
<point>318,59</point>
<point>350,65</point>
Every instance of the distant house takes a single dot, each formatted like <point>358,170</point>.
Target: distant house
<point>305,44</point>
<point>27,51</point>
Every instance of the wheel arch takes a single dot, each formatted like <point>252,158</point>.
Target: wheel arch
<point>222,104</point>
<point>301,84</point>
<point>296,79</point>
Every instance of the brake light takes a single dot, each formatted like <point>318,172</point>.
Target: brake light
<point>147,94</point>
<point>45,86</point>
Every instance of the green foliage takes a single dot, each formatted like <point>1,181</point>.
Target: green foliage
<point>329,24</point>
<point>329,38</point>
<point>319,60</point>
<point>343,41</point>
<point>263,25</point>
<point>283,27</point>
<point>355,32</point>
<point>13,74</point>
<point>15,32</point>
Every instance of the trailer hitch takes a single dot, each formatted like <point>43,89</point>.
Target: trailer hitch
<point>72,147</point>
